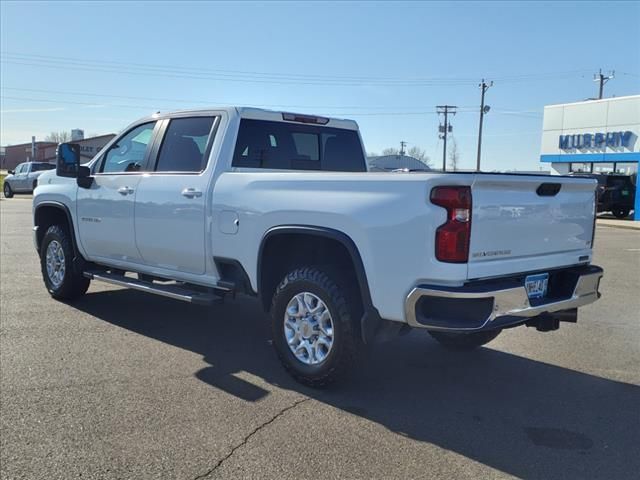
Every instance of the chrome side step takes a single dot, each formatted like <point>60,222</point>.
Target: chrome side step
<point>177,292</point>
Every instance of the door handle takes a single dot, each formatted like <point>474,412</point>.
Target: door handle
<point>125,190</point>
<point>191,193</point>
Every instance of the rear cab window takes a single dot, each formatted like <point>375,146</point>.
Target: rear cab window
<point>293,146</point>
<point>38,167</point>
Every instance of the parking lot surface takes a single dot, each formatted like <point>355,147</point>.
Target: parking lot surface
<point>121,384</point>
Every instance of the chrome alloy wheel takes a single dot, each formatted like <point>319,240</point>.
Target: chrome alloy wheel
<point>308,328</point>
<point>55,263</point>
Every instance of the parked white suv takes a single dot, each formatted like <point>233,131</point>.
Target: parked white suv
<point>200,204</point>
<point>24,179</point>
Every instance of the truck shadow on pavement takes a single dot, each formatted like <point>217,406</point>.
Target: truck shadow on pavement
<point>522,417</point>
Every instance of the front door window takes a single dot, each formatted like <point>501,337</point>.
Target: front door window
<point>129,153</point>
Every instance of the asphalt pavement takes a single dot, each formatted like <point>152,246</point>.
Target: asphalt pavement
<point>122,384</point>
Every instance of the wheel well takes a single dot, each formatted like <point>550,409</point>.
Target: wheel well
<point>48,215</point>
<point>283,252</point>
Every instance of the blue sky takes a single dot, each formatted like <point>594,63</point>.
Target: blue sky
<point>99,66</point>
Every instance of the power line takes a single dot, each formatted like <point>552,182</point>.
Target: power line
<point>177,73</point>
<point>251,76</point>
<point>50,58</point>
<point>155,107</point>
<point>217,102</point>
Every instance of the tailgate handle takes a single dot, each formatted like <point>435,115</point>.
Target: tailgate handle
<point>548,189</point>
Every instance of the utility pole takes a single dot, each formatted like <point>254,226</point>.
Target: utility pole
<point>484,87</point>
<point>402,145</point>
<point>602,79</point>
<point>445,110</point>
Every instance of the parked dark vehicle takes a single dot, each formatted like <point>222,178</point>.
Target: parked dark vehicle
<point>616,193</point>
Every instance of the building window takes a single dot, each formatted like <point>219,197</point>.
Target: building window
<point>581,167</point>
<point>627,168</point>
<point>603,168</point>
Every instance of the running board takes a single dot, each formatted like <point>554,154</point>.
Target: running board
<point>176,292</point>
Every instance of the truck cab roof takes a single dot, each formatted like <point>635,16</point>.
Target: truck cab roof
<point>260,114</point>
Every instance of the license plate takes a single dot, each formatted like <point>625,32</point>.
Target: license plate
<point>536,285</point>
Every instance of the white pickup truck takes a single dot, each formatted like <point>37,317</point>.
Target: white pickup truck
<point>196,205</point>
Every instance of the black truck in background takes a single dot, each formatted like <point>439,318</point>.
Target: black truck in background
<point>616,193</point>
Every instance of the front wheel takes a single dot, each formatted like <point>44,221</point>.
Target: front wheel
<point>56,261</point>
<point>313,327</point>
<point>464,341</point>
<point>8,193</point>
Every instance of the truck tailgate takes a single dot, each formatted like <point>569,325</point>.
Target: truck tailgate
<point>523,223</point>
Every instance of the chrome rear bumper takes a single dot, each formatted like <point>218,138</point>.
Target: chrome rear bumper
<point>499,306</point>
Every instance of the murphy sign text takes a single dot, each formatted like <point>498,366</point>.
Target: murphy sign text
<point>595,140</point>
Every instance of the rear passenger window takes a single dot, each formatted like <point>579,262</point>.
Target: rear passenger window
<point>292,146</point>
<point>184,145</point>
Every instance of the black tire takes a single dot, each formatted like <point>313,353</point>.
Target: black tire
<point>620,212</point>
<point>346,347</point>
<point>464,341</point>
<point>8,193</point>
<point>72,284</point>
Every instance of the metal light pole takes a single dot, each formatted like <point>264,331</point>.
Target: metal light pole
<point>484,86</point>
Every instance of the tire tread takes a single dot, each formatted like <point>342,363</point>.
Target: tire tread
<point>74,284</point>
<point>349,348</point>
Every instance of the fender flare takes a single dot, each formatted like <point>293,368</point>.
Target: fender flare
<point>371,320</point>
<point>67,212</point>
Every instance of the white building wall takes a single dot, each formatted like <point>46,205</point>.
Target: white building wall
<point>595,116</point>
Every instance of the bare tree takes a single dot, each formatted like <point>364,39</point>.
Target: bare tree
<point>390,151</point>
<point>419,154</point>
<point>58,137</point>
<point>454,155</point>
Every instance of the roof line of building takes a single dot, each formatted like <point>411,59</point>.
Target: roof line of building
<point>41,142</point>
<point>592,100</point>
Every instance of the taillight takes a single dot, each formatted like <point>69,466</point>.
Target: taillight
<point>453,236</point>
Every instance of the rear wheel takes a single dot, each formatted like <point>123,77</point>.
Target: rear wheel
<point>56,260</point>
<point>620,212</point>
<point>464,341</point>
<point>313,327</point>
<point>8,193</point>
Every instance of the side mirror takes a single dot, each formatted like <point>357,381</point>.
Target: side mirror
<point>68,164</point>
<point>10,172</point>
<point>85,180</point>
<point>68,160</point>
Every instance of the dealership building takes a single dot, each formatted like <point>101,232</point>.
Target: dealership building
<point>594,136</point>
<point>36,151</point>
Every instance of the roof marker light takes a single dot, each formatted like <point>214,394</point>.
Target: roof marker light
<point>296,117</point>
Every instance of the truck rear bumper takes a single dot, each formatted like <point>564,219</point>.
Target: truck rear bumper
<point>497,303</point>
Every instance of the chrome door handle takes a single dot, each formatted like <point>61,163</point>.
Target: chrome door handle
<point>191,193</point>
<point>125,190</point>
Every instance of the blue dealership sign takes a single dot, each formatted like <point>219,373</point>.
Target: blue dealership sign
<point>595,140</point>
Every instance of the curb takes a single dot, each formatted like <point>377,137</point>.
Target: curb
<point>623,227</point>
